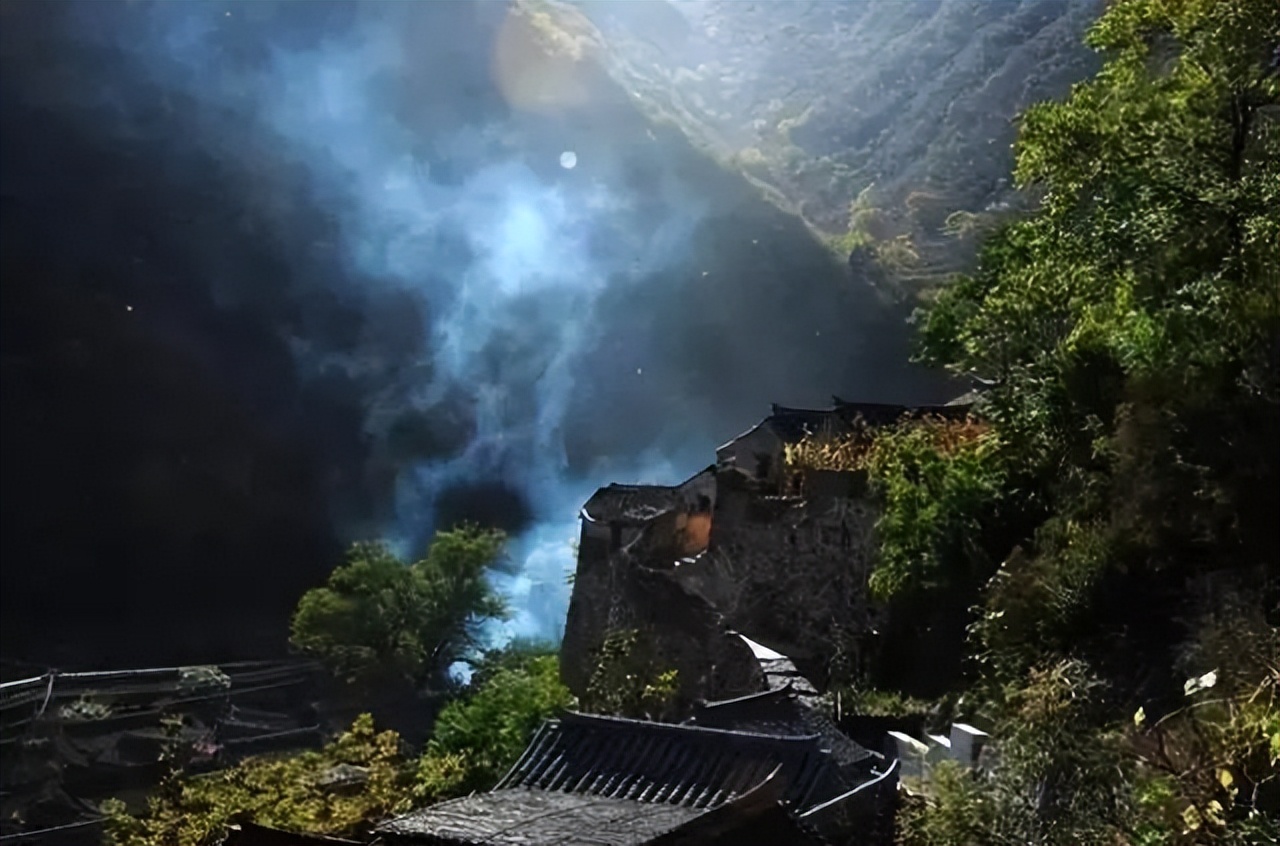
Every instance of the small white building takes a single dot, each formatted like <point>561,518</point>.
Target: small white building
<point>917,756</point>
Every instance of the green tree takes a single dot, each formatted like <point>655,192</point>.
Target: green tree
<point>1131,328</point>
<point>1132,324</point>
<point>518,655</point>
<point>379,619</point>
<point>479,737</point>
<point>937,480</point>
<point>1151,267</point>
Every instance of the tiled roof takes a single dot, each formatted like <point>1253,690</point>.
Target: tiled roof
<point>670,764</point>
<point>630,503</point>
<point>793,424</point>
<point>624,783</point>
<point>881,414</point>
<point>250,834</point>
<point>780,673</point>
<point>635,504</point>
<point>783,712</point>
<point>870,413</point>
<point>525,817</point>
<point>967,399</point>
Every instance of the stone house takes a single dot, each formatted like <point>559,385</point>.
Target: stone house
<point>614,515</point>
<point>779,553</point>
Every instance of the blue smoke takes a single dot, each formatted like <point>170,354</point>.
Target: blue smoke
<point>511,260</point>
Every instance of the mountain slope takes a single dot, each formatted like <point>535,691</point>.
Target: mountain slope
<point>900,113</point>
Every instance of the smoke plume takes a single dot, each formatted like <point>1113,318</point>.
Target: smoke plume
<point>525,289</point>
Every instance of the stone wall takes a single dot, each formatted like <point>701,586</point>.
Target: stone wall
<point>788,571</point>
<point>917,756</point>
<point>791,573</point>
<point>778,553</point>
<point>635,589</point>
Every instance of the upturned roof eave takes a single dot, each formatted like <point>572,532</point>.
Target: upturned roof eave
<point>734,440</point>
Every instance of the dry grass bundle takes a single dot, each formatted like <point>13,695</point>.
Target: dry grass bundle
<point>951,435</point>
<point>852,451</point>
<point>829,452</point>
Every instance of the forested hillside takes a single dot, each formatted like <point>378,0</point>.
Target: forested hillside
<point>874,122</point>
<point>1117,523</point>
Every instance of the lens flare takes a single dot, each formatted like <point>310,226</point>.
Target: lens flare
<point>537,67</point>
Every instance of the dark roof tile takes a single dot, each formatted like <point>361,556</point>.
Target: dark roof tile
<point>631,504</point>
<point>522,816</point>
<point>626,782</point>
<point>657,762</point>
<point>780,673</point>
<point>793,424</point>
<point>782,712</point>
<point>882,414</point>
<point>251,834</point>
<point>637,504</point>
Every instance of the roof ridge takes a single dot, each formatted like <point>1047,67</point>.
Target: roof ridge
<point>636,486</point>
<point>776,409</point>
<point>579,718</point>
<point>641,486</point>
<point>784,692</point>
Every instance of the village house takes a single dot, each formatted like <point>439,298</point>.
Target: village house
<point>619,782</point>
<point>760,770</point>
<point>764,542</point>
<point>749,579</point>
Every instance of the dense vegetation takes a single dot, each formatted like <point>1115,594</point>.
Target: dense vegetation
<point>477,739</point>
<point>1117,521</point>
<point>363,775</point>
<point>627,679</point>
<point>901,109</point>
<point>382,625</point>
<point>288,792</point>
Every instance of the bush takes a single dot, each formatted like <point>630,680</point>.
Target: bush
<point>281,792</point>
<point>628,681</point>
<point>936,481</point>
<point>478,738</point>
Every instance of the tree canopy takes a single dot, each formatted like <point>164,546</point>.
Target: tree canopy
<point>380,619</point>
<point>479,737</point>
<point>1118,519</point>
